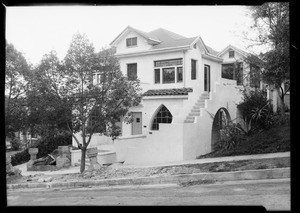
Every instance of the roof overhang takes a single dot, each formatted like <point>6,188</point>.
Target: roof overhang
<point>129,29</point>
<point>235,49</point>
<point>154,51</point>
<point>212,57</point>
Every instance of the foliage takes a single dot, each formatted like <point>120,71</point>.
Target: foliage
<point>272,22</point>
<point>17,71</point>
<point>64,95</point>
<point>256,108</point>
<point>45,146</point>
<point>15,144</point>
<point>230,136</point>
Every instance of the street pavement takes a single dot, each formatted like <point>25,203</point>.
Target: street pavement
<point>273,194</point>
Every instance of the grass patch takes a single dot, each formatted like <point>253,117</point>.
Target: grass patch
<point>274,140</point>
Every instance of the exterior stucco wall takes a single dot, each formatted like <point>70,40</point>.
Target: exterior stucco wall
<point>197,136</point>
<point>145,69</point>
<point>149,109</point>
<point>96,140</point>
<point>164,145</point>
<point>141,44</point>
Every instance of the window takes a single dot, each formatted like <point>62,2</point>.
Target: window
<point>193,69</point>
<point>254,76</point>
<point>162,116</point>
<point>157,76</point>
<point>131,42</point>
<point>195,46</point>
<point>132,71</point>
<point>179,74</point>
<point>171,70</point>
<point>168,75</point>
<point>233,71</point>
<point>231,54</point>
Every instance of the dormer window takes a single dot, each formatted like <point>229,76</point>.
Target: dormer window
<point>231,54</point>
<point>131,42</point>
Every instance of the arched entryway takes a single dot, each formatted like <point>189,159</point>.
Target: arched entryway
<point>162,115</point>
<point>221,118</point>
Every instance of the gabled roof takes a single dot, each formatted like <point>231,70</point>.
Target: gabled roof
<point>162,38</point>
<point>233,48</point>
<point>141,33</point>
<point>159,92</point>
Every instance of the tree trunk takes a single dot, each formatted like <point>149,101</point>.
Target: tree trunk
<point>82,164</point>
<point>281,102</point>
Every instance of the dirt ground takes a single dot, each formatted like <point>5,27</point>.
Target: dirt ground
<point>113,171</point>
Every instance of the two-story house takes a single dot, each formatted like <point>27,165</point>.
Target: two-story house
<point>188,89</point>
<point>182,86</point>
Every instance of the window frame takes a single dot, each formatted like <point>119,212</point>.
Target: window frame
<point>128,76</point>
<point>129,42</point>
<point>193,72</point>
<point>178,63</point>
<point>174,74</point>
<point>232,54</point>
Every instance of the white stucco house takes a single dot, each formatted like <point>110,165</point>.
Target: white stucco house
<point>187,87</point>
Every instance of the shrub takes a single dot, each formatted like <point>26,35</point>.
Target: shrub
<point>15,144</point>
<point>45,146</point>
<point>230,136</point>
<point>257,109</point>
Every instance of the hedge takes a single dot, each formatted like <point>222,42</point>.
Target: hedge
<point>45,146</point>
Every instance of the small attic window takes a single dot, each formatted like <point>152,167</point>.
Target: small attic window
<point>195,46</point>
<point>130,42</point>
<point>231,54</point>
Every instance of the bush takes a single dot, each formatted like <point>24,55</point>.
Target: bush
<point>15,144</point>
<point>45,146</point>
<point>230,136</point>
<point>257,109</point>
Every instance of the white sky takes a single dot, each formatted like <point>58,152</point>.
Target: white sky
<point>36,31</point>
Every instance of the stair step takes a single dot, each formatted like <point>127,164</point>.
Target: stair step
<point>194,114</point>
<point>200,105</point>
<point>188,121</point>
<point>196,109</point>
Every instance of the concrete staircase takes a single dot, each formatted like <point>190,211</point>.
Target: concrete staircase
<point>196,108</point>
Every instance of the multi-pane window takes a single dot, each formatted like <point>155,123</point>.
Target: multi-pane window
<point>233,71</point>
<point>179,74</point>
<point>171,71</point>
<point>131,42</point>
<point>193,69</point>
<point>162,116</point>
<point>231,54</point>
<point>157,76</point>
<point>132,71</point>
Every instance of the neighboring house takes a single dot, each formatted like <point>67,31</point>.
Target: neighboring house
<point>188,90</point>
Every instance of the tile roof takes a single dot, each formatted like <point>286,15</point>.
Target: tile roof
<point>175,91</point>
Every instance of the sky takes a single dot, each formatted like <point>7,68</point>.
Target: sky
<point>36,30</point>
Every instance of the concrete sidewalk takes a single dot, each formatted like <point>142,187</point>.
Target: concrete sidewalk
<point>76,169</point>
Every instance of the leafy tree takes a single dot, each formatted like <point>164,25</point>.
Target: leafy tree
<point>86,92</point>
<point>272,23</point>
<point>45,106</point>
<point>17,72</point>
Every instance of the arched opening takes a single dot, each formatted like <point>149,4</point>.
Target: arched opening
<point>221,119</point>
<point>163,115</point>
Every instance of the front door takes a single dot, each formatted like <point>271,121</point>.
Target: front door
<point>207,78</point>
<point>137,123</point>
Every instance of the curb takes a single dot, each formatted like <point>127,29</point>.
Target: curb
<point>276,173</point>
